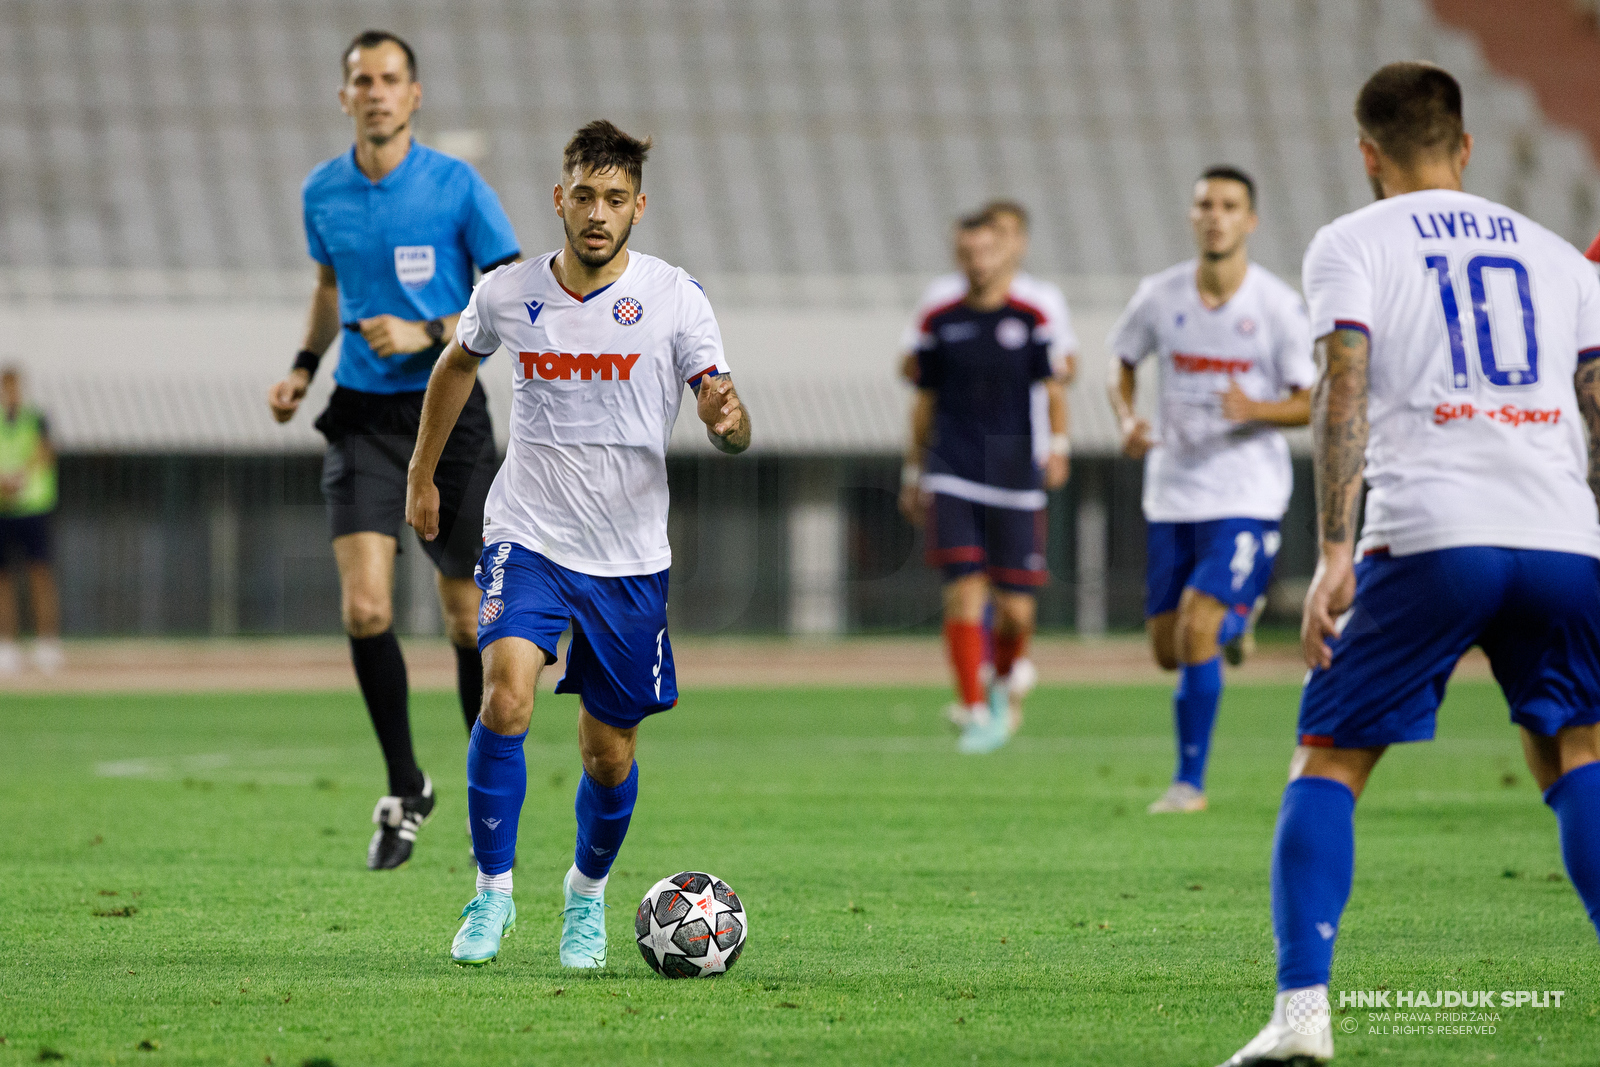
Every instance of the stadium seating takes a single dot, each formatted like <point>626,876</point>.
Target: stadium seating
<point>829,138</point>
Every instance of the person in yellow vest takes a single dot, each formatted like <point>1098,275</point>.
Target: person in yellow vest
<point>27,500</point>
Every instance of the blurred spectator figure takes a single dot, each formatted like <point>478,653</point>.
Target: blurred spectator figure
<point>27,499</point>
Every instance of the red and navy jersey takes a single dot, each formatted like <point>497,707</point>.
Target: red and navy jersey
<point>985,367</point>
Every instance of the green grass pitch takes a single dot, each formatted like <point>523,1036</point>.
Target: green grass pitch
<point>182,882</point>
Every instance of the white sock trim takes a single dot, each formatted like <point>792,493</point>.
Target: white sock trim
<point>585,886</point>
<point>500,883</point>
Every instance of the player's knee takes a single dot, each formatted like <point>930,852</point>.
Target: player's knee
<point>608,762</point>
<point>507,705</point>
<point>367,616</point>
<point>1165,657</point>
<point>1198,632</point>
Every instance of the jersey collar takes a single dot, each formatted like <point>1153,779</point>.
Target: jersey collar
<point>585,299</point>
<point>388,179</point>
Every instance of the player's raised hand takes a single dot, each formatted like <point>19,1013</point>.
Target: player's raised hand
<point>390,335</point>
<point>1237,405</point>
<point>1333,590</point>
<point>422,506</point>
<point>1136,439</point>
<point>718,405</point>
<point>284,398</point>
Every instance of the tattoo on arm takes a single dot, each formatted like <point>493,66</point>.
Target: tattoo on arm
<point>1587,383</point>
<point>1339,432</point>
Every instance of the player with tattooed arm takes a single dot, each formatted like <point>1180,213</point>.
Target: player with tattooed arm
<point>1459,345</point>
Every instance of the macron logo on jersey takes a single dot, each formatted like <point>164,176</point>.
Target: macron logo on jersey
<point>553,365</point>
<point>1210,364</point>
<point>534,307</point>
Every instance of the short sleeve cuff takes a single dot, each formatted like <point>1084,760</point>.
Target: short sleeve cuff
<point>1587,355</point>
<point>694,379</point>
<point>1352,324</point>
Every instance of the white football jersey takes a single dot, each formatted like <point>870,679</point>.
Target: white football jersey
<point>1204,467</point>
<point>1478,318</point>
<point>597,385</point>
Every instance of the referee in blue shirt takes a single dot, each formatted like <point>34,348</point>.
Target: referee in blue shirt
<point>396,229</point>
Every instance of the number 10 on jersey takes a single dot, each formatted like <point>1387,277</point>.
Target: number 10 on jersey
<point>1500,374</point>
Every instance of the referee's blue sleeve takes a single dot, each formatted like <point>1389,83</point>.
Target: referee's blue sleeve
<point>314,245</point>
<point>490,238</point>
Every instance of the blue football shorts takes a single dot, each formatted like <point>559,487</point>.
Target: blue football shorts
<point>620,659</point>
<point>1006,543</point>
<point>1536,614</point>
<point>1229,560</point>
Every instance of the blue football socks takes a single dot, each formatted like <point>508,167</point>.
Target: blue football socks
<point>497,781</point>
<point>1575,798</point>
<point>1194,709</point>
<point>603,816</point>
<point>1313,861</point>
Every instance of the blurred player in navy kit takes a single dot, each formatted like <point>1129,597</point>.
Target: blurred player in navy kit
<point>988,438</point>
<point>396,229</point>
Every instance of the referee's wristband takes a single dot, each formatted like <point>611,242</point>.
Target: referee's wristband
<point>1060,445</point>
<point>307,361</point>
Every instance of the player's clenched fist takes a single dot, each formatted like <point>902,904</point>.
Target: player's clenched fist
<point>914,501</point>
<point>422,505</point>
<point>1136,440</point>
<point>284,398</point>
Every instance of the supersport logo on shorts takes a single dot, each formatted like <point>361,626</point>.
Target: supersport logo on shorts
<point>1509,414</point>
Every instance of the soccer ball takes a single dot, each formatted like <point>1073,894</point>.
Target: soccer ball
<point>691,925</point>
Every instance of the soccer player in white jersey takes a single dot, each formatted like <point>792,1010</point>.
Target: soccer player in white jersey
<point>1459,344</point>
<point>603,341</point>
<point>1234,353</point>
<point>987,538</point>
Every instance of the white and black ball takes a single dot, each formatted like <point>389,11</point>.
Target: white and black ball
<point>691,925</point>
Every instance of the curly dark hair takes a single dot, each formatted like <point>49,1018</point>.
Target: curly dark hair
<point>602,146</point>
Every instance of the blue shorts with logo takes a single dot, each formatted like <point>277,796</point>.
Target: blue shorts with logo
<point>620,659</point>
<point>1007,543</point>
<point>1229,560</point>
<point>1536,614</point>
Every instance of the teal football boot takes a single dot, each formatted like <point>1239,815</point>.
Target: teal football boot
<point>583,928</point>
<point>489,916</point>
<point>991,731</point>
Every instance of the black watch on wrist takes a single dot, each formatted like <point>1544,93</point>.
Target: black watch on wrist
<point>435,330</point>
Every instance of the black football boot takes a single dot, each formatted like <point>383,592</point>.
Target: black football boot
<point>398,820</point>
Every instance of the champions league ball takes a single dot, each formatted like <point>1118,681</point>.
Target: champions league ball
<point>691,925</point>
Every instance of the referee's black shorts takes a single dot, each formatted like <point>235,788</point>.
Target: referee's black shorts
<point>370,439</point>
